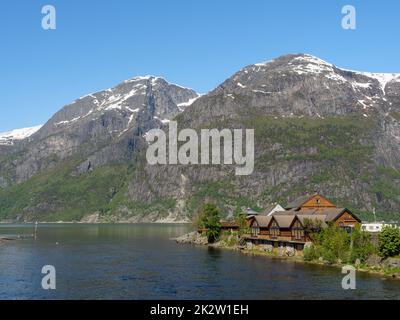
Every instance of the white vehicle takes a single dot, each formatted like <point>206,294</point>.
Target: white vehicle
<point>374,227</point>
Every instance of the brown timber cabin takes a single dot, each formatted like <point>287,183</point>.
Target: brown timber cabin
<point>287,228</point>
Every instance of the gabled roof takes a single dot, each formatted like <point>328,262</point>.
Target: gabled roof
<point>268,209</point>
<point>318,217</point>
<point>304,202</point>
<point>333,213</point>
<point>272,208</point>
<point>285,221</point>
<point>298,202</point>
<point>263,221</point>
<point>330,214</point>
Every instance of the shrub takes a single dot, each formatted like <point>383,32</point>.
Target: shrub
<point>330,256</point>
<point>241,220</point>
<point>362,245</point>
<point>310,254</point>
<point>197,219</point>
<point>389,242</point>
<point>334,243</point>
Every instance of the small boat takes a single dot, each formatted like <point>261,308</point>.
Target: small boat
<point>16,237</point>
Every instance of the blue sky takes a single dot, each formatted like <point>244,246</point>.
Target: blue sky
<point>194,43</point>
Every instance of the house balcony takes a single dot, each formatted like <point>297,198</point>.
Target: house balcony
<point>261,237</point>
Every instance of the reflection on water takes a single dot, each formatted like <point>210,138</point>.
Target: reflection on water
<point>128,261</point>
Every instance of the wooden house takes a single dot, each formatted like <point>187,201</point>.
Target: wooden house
<point>289,227</point>
<point>319,205</point>
<point>229,226</point>
<point>268,211</point>
<point>315,201</point>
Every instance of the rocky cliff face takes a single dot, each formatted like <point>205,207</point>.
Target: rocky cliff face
<point>101,127</point>
<point>317,127</point>
<point>300,85</point>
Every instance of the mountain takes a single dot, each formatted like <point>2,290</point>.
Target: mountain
<point>97,124</point>
<point>317,128</point>
<point>40,175</point>
<point>10,137</point>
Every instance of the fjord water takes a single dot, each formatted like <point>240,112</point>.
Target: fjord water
<point>127,261</point>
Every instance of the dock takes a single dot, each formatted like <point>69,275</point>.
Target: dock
<point>16,237</point>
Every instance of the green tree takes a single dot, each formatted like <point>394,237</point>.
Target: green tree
<point>362,245</point>
<point>389,242</point>
<point>241,221</point>
<point>333,243</point>
<point>211,221</point>
<point>198,219</point>
<point>312,227</point>
<point>311,253</point>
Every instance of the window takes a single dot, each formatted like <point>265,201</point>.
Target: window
<point>274,231</point>
<point>318,201</point>
<point>298,233</point>
<point>255,231</point>
<point>348,229</point>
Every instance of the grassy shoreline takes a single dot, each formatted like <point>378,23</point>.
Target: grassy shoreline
<point>384,271</point>
<point>392,273</point>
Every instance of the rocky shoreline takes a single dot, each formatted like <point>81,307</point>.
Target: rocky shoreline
<point>192,238</point>
<point>5,240</point>
<point>388,268</point>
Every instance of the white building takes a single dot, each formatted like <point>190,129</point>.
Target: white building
<point>269,211</point>
<point>375,227</point>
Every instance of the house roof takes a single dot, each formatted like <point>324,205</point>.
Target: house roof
<point>330,214</point>
<point>318,217</point>
<point>298,202</point>
<point>268,209</point>
<point>251,212</point>
<point>285,221</point>
<point>285,213</point>
<point>263,221</point>
<point>229,224</point>
<point>333,213</point>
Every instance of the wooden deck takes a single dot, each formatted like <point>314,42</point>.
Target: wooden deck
<point>268,238</point>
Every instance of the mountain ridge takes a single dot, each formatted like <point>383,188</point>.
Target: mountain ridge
<point>383,77</point>
<point>317,127</point>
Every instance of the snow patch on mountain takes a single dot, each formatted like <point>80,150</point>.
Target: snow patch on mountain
<point>264,63</point>
<point>310,64</point>
<point>141,78</point>
<point>8,138</point>
<point>383,78</point>
<point>188,103</point>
